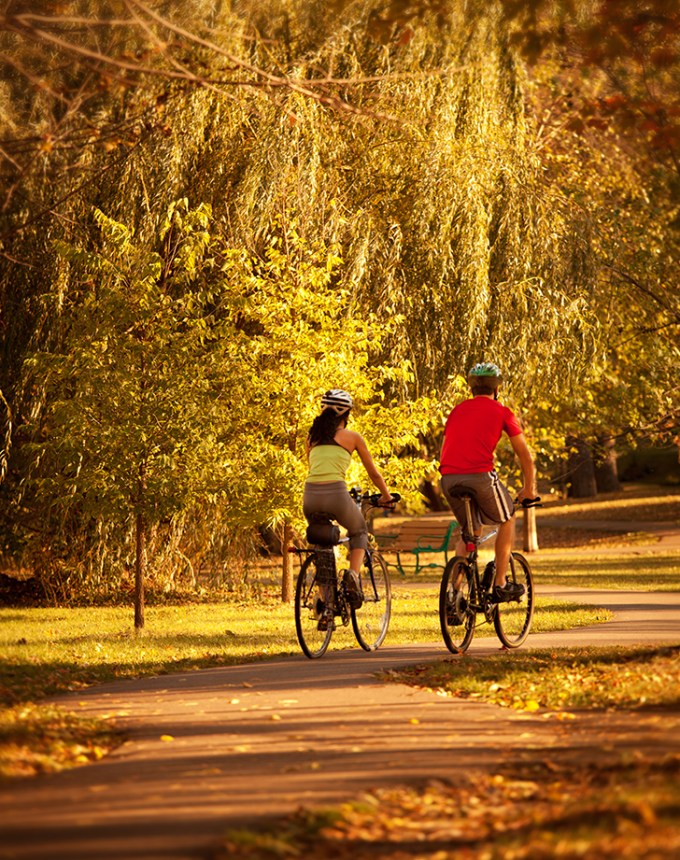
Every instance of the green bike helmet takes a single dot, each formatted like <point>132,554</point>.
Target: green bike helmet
<point>490,373</point>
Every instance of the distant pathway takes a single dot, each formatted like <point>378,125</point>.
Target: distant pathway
<point>260,739</point>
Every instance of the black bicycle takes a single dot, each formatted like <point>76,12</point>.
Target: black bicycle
<point>321,597</point>
<point>464,595</point>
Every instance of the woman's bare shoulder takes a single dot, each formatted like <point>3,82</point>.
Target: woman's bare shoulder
<point>348,438</point>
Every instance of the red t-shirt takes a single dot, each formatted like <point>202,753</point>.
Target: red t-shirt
<point>473,429</point>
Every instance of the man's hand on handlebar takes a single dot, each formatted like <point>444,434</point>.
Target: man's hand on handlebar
<point>526,502</point>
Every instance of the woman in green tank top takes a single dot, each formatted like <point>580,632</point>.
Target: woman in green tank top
<point>330,446</point>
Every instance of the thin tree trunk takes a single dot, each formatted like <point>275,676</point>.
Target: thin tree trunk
<point>140,570</point>
<point>286,564</point>
<point>140,550</point>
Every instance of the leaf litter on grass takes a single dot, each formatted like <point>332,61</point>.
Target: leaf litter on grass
<point>592,813</point>
<point>46,738</point>
<point>537,806</point>
<point>627,678</point>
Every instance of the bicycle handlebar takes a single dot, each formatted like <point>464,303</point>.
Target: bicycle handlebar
<point>530,503</point>
<point>373,499</point>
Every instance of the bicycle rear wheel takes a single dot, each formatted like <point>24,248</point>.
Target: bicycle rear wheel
<point>371,620</point>
<point>313,620</point>
<point>456,618</point>
<point>512,620</point>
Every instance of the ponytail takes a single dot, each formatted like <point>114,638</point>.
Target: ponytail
<point>325,426</point>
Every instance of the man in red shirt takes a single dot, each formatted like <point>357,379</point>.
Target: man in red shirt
<point>472,432</point>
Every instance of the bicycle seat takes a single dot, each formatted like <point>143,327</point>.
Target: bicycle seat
<point>323,532</point>
<point>461,493</point>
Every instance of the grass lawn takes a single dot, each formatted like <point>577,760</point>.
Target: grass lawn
<point>573,678</point>
<point>50,651</point>
<point>637,503</point>
<point>622,571</point>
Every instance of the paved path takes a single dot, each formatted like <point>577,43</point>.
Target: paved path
<point>261,739</point>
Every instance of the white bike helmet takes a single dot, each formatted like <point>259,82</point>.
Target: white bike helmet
<point>337,400</point>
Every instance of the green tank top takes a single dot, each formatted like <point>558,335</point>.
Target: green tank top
<point>328,463</point>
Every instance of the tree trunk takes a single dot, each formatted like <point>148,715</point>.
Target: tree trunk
<point>140,549</point>
<point>581,481</point>
<point>140,570</point>
<point>529,533</point>
<point>606,471</point>
<point>435,501</point>
<point>287,589</point>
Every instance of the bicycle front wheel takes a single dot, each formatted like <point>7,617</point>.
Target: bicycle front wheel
<point>512,620</point>
<point>313,622</point>
<point>456,617</point>
<point>371,620</point>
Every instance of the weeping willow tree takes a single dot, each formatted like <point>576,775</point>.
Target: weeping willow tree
<point>432,186</point>
<point>435,193</point>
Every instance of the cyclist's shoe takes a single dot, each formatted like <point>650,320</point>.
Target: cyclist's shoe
<point>509,591</point>
<point>355,596</point>
<point>452,616</point>
<point>325,623</point>
<point>324,615</point>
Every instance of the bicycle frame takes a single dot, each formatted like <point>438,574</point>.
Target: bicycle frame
<point>472,547</point>
<point>322,595</point>
<point>338,594</point>
<point>463,595</point>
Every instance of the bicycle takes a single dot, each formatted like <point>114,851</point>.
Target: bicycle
<point>464,594</point>
<point>320,597</point>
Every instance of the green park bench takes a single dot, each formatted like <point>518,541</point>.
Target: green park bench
<point>431,534</point>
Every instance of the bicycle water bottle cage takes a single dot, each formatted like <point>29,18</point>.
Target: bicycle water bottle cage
<point>323,534</point>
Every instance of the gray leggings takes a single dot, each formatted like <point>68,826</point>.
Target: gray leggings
<point>333,500</point>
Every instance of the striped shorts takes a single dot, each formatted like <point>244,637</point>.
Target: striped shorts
<point>494,503</point>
